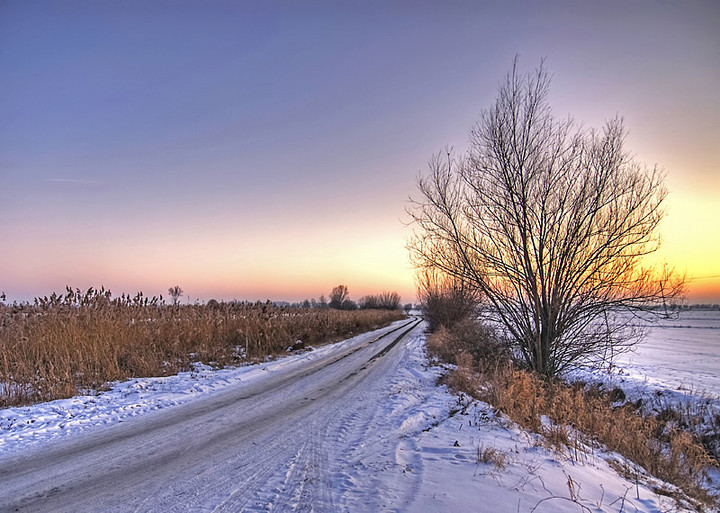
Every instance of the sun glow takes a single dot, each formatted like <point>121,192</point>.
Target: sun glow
<point>690,243</point>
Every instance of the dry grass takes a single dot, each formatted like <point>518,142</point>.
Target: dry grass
<point>80,341</point>
<point>491,456</point>
<point>581,416</point>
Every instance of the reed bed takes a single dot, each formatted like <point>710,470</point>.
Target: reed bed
<point>78,342</point>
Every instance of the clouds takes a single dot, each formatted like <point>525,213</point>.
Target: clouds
<point>66,180</point>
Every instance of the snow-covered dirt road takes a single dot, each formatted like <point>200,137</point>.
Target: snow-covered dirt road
<point>254,447</point>
<point>357,426</point>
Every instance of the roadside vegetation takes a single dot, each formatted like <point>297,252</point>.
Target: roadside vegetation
<point>550,222</point>
<point>575,419</point>
<point>530,253</point>
<point>65,344</point>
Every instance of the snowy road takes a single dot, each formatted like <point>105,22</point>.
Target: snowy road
<point>262,446</point>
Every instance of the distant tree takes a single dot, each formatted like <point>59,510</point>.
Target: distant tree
<point>348,304</point>
<point>384,301</point>
<point>213,303</point>
<point>549,222</point>
<point>306,303</point>
<point>390,301</point>
<point>175,293</point>
<point>322,302</point>
<point>368,302</point>
<point>337,296</point>
<point>407,307</point>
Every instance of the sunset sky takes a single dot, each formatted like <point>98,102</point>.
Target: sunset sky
<point>253,150</point>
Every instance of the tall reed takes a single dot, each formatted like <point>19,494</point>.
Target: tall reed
<point>78,341</point>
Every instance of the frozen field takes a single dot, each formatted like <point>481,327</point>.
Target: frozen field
<point>675,368</point>
<point>680,354</point>
<point>679,360</point>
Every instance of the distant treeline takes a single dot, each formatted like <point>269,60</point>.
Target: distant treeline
<point>340,300</point>
<point>678,307</point>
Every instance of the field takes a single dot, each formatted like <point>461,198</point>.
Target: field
<point>398,442</point>
<point>674,373</point>
<point>437,451</point>
<point>679,356</point>
<point>81,341</point>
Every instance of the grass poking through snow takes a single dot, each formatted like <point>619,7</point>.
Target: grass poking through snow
<point>573,417</point>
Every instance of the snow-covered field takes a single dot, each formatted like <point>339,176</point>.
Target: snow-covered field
<point>679,354</point>
<point>677,366</point>
<point>406,445</point>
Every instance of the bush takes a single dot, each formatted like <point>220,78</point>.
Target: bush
<point>444,300</point>
<point>469,337</point>
<point>384,301</point>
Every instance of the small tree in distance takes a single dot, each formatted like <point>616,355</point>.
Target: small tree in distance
<point>339,299</point>
<point>445,300</point>
<point>548,223</point>
<point>175,293</point>
<point>383,301</point>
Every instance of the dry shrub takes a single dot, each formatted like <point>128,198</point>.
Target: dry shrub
<point>468,336</point>
<point>665,452</point>
<point>441,345</point>
<point>464,378</point>
<point>445,300</point>
<point>63,344</point>
<point>579,414</point>
<point>491,456</point>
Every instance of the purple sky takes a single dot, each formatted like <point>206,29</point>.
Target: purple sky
<point>267,149</point>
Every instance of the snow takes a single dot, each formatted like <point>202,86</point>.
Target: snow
<point>677,365</point>
<point>426,430</point>
<point>679,354</point>
<point>406,444</point>
<point>22,427</point>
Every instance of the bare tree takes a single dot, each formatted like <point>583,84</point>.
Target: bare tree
<point>175,293</point>
<point>383,301</point>
<point>550,223</point>
<point>338,296</point>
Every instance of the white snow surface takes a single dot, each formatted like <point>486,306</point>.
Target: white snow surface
<point>416,450</point>
<point>676,366</point>
<point>680,354</point>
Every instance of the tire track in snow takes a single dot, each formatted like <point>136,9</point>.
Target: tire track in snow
<point>371,443</point>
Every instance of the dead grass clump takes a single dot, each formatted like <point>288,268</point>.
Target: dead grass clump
<point>491,456</point>
<point>665,452</point>
<point>63,344</point>
<point>468,336</point>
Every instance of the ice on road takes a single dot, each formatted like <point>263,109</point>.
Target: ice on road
<point>357,426</point>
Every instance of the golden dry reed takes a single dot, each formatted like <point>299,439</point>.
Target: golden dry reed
<point>80,341</point>
<point>581,416</point>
